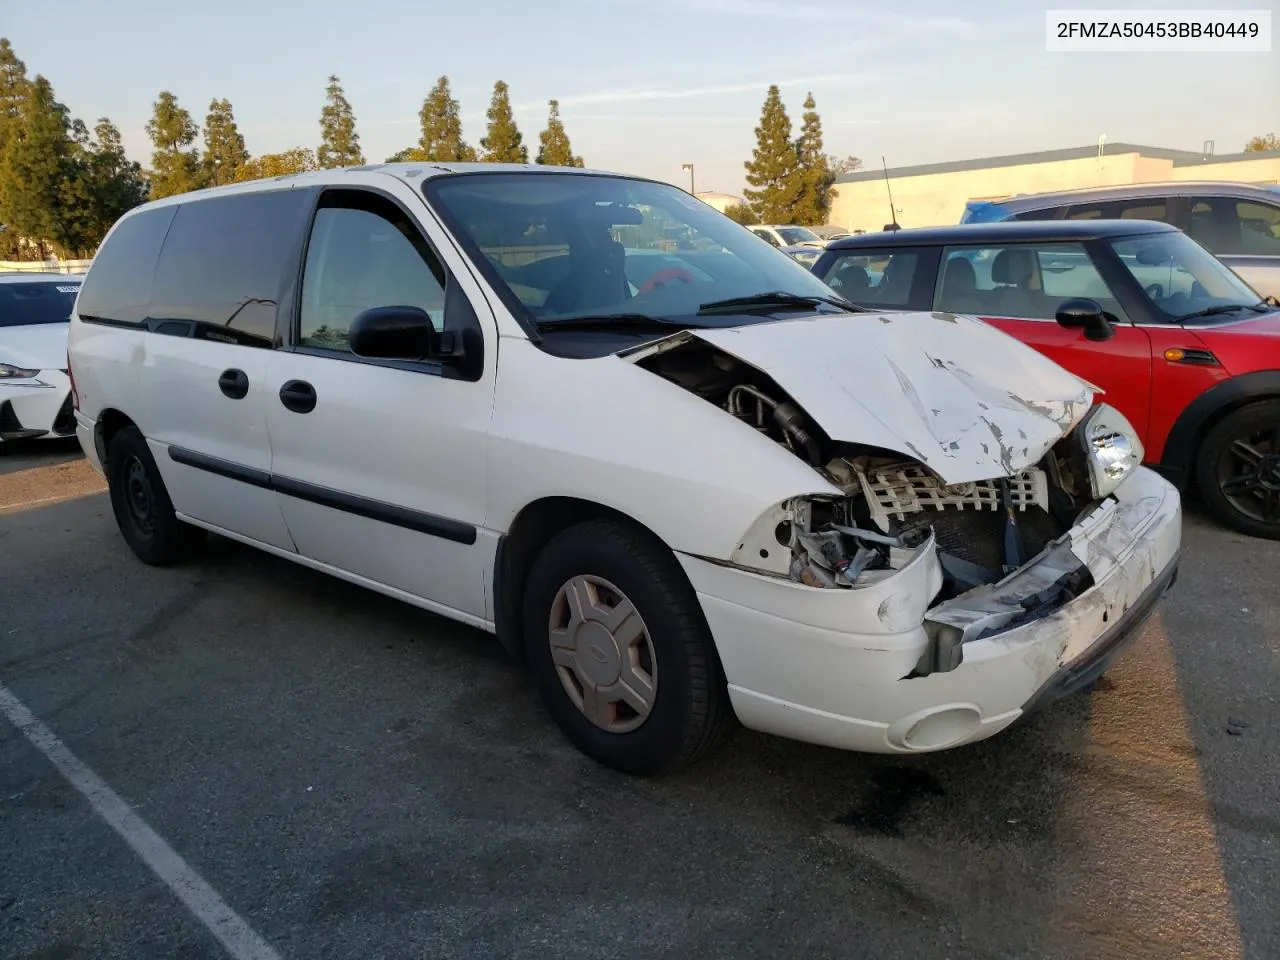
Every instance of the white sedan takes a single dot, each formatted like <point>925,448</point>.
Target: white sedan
<point>35,391</point>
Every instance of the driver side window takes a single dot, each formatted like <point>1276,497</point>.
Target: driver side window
<point>768,237</point>
<point>364,252</point>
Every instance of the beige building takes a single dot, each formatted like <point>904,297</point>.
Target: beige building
<point>935,194</point>
<point>720,201</point>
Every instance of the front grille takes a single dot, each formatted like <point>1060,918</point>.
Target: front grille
<point>65,422</point>
<point>896,491</point>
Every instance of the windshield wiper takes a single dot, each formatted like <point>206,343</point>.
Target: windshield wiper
<point>611,321</point>
<point>774,300</point>
<point>1215,311</point>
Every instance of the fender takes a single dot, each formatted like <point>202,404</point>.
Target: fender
<point>1177,460</point>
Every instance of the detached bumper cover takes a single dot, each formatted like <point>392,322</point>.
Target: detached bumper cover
<point>1093,662</point>
<point>836,666</point>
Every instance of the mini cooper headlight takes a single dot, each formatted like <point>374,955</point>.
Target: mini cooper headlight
<point>1111,448</point>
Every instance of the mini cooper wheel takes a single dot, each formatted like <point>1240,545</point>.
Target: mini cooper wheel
<point>144,513</point>
<point>1238,470</point>
<point>621,652</point>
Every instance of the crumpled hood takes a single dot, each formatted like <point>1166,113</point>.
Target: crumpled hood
<point>38,346</point>
<point>967,400</point>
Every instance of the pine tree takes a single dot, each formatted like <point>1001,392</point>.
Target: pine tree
<point>38,162</point>
<point>503,142</point>
<point>554,149</point>
<point>13,92</point>
<point>296,160</point>
<point>224,150</point>
<point>339,142</point>
<point>118,184</point>
<point>442,127</point>
<point>773,170</point>
<point>815,177</point>
<point>174,167</point>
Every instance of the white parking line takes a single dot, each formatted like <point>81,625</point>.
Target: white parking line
<point>201,899</point>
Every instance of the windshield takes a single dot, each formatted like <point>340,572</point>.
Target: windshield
<point>560,246</point>
<point>793,235</point>
<point>1183,279</point>
<point>25,303</point>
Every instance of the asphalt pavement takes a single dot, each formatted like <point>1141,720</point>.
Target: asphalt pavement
<point>355,778</point>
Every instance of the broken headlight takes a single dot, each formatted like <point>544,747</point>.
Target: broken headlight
<point>1111,447</point>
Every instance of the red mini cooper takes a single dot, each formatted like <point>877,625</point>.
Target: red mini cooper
<point>1183,347</point>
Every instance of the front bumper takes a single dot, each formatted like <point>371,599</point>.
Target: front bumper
<point>40,407</point>
<point>835,666</point>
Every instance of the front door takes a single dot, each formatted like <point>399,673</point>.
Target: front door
<point>380,465</point>
<point>1019,287</point>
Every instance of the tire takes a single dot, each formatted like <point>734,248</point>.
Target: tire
<point>665,638</point>
<point>1241,494</point>
<point>143,510</point>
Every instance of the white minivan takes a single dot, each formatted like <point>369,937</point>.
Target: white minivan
<point>681,485</point>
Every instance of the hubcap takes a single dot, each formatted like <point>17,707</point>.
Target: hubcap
<point>603,654</point>
<point>1249,475</point>
<point>137,494</point>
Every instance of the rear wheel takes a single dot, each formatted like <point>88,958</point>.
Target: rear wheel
<point>621,651</point>
<point>1238,470</point>
<point>144,513</point>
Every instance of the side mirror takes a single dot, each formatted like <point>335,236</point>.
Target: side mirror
<point>1086,315</point>
<point>397,333</point>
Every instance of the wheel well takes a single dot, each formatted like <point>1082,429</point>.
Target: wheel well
<point>532,529</point>
<point>1186,457</point>
<point>110,422</point>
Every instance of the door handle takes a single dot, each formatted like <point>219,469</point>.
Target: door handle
<point>234,383</point>
<point>298,396</point>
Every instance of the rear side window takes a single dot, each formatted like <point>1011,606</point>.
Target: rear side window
<point>1044,213</point>
<point>1146,208</point>
<point>1226,225</point>
<point>224,263</point>
<point>894,279</point>
<point>117,288</point>
<point>25,303</point>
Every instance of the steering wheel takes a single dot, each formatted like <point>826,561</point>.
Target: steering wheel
<point>665,277</point>
<point>1155,291</point>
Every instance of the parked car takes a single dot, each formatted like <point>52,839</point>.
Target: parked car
<point>1183,347</point>
<point>679,485</point>
<point>1237,222</point>
<point>787,235</point>
<point>35,395</point>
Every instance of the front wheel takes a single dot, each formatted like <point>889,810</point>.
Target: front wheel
<point>621,651</point>
<point>1238,470</point>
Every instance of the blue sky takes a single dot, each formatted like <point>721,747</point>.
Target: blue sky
<point>646,85</point>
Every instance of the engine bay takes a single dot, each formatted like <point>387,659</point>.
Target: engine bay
<point>893,507</point>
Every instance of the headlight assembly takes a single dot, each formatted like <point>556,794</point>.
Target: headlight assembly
<point>9,372</point>
<point>1112,449</point>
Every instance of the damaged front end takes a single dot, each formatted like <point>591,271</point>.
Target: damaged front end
<point>1003,547</point>
<point>1006,549</point>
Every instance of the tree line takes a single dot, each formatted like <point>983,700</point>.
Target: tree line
<point>62,185</point>
<point>790,180</point>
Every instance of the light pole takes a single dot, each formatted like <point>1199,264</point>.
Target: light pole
<point>689,167</point>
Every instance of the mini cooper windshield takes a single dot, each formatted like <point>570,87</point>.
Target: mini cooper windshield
<point>574,249</point>
<point>1184,280</point>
